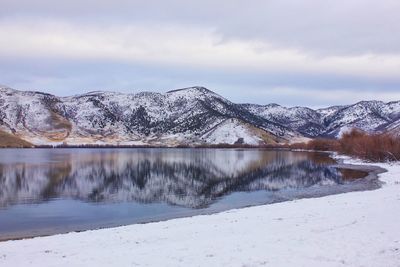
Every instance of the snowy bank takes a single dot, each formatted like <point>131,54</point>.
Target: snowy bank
<point>351,229</point>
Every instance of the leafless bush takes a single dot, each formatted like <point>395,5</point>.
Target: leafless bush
<point>372,147</point>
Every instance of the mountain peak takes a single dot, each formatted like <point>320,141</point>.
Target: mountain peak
<point>193,88</point>
<point>195,92</point>
<point>369,102</point>
<point>3,86</point>
<point>7,89</point>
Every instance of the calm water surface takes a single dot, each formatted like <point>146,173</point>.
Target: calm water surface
<point>45,191</point>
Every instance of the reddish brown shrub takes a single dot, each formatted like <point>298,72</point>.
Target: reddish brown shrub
<point>323,144</point>
<point>372,147</point>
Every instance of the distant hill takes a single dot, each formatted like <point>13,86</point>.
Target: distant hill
<point>189,116</point>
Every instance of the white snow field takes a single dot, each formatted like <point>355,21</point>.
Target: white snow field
<point>352,229</point>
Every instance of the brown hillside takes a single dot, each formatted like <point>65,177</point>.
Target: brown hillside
<point>9,140</point>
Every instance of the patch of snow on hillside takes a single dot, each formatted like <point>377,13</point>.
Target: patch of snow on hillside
<point>344,130</point>
<point>230,131</point>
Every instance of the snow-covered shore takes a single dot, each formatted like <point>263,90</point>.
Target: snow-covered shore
<point>351,229</point>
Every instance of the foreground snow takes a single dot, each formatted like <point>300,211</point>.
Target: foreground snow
<point>353,229</point>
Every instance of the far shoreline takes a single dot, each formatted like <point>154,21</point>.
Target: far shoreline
<point>282,147</point>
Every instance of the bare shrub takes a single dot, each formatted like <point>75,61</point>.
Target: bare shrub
<point>372,147</point>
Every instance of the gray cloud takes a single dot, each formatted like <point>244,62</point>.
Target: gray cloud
<point>291,52</point>
<point>321,27</point>
<point>65,78</point>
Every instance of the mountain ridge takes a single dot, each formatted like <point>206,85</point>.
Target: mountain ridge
<point>186,116</point>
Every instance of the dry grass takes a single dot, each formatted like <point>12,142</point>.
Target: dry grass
<point>372,147</point>
<point>9,140</point>
<point>61,128</point>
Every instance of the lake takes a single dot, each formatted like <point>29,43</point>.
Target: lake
<point>47,191</point>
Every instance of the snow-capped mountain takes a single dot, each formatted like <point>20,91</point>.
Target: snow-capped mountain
<point>303,120</point>
<point>369,116</point>
<point>189,116</point>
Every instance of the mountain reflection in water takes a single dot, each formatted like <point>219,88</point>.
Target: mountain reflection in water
<point>192,178</point>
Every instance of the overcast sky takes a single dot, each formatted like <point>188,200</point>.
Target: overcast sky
<point>299,52</point>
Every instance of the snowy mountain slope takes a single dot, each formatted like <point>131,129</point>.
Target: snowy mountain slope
<point>189,116</point>
<point>370,116</point>
<point>234,131</point>
<point>31,114</point>
<point>177,117</point>
<point>300,119</point>
<point>394,127</point>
